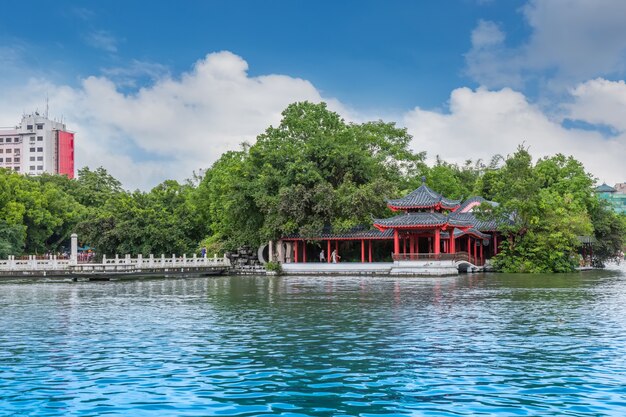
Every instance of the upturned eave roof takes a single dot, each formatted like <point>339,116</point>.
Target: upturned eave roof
<point>423,198</point>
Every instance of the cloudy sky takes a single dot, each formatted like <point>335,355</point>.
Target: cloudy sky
<point>159,90</point>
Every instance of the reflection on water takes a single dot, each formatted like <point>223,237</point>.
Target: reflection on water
<point>491,344</point>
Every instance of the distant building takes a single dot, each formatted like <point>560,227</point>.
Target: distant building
<point>37,145</point>
<point>620,188</point>
<point>616,196</point>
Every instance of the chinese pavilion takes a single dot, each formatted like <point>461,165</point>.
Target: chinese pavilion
<point>427,226</point>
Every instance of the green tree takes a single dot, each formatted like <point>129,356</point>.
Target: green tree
<point>311,171</point>
<point>545,206</point>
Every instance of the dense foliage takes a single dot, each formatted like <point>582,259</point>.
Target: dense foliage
<point>38,214</point>
<point>313,172</point>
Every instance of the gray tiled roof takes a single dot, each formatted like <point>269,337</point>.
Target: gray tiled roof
<point>482,225</point>
<point>359,232</point>
<point>604,188</point>
<point>422,219</point>
<point>459,233</point>
<point>423,197</point>
<point>475,199</point>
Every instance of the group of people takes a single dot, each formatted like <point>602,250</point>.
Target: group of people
<point>334,256</point>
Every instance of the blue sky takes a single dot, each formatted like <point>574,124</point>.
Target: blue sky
<point>468,78</point>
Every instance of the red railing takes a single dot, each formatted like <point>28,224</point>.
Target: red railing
<point>456,257</point>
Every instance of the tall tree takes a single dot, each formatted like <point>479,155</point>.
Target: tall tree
<point>311,171</point>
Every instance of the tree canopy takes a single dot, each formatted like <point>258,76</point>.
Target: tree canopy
<point>311,173</point>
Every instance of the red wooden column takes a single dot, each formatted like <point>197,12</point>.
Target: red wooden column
<point>328,252</point>
<point>370,245</point>
<point>295,252</point>
<point>482,258</point>
<point>495,243</point>
<point>363,250</point>
<point>304,251</point>
<point>469,248</point>
<point>437,241</point>
<point>396,242</point>
<point>404,245</point>
<point>452,241</point>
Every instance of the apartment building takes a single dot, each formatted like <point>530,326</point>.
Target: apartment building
<point>37,145</point>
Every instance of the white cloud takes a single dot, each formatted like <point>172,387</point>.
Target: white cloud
<point>600,101</point>
<point>177,125</point>
<point>101,39</point>
<point>482,123</point>
<point>570,41</point>
<point>487,34</point>
<point>172,127</point>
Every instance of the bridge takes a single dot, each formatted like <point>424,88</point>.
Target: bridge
<point>54,266</point>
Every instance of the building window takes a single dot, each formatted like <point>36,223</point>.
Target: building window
<point>39,167</point>
<point>2,140</point>
<point>32,158</point>
<point>32,149</point>
<point>32,167</point>
<point>39,149</point>
<point>16,160</point>
<point>39,138</point>
<point>9,150</point>
<point>16,140</point>
<point>16,151</point>
<point>29,127</point>
<point>39,126</point>
<point>8,159</point>
<point>1,150</point>
<point>17,168</point>
<point>1,159</point>
<point>40,158</point>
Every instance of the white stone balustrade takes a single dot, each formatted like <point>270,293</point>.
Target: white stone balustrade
<point>53,263</point>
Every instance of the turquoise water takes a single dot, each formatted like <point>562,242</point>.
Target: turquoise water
<point>253,346</point>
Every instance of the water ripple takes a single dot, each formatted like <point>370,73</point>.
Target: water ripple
<point>256,346</point>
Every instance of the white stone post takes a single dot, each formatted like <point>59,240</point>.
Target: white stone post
<point>184,259</point>
<point>289,252</point>
<point>127,260</point>
<point>281,252</point>
<point>73,249</point>
<point>173,259</point>
<point>12,262</point>
<point>117,259</point>
<point>195,260</point>
<point>54,262</point>
<point>139,260</point>
<point>163,259</point>
<point>151,260</point>
<point>104,259</point>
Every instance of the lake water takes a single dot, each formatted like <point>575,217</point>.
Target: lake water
<point>251,346</point>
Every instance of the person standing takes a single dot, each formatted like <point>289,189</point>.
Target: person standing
<point>335,257</point>
<point>322,256</point>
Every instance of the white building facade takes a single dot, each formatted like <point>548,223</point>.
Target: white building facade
<point>37,145</point>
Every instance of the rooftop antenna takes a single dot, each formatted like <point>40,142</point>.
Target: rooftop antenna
<point>47,107</point>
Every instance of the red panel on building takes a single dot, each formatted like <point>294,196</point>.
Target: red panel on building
<point>65,157</point>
